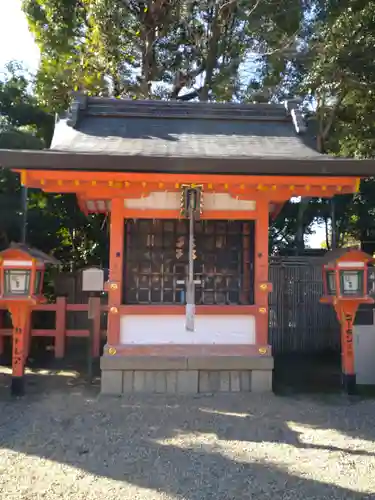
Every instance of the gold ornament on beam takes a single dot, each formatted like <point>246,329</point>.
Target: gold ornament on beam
<point>23,178</point>
<point>191,193</point>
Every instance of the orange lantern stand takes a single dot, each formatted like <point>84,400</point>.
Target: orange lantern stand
<point>345,278</point>
<point>21,283</point>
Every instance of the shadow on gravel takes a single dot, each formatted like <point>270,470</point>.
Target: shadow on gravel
<point>193,448</point>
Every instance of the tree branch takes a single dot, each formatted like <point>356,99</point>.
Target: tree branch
<point>327,128</point>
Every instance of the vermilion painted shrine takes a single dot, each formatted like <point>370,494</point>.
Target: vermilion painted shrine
<point>190,188</point>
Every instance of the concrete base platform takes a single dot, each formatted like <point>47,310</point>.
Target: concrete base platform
<point>186,373</point>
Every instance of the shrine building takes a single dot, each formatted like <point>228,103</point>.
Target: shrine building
<point>190,189</point>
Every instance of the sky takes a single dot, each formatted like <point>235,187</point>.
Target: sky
<point>17,43</point>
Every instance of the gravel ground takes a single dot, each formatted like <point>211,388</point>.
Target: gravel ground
<point>64,441</point>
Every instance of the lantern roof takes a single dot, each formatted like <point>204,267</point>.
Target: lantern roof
<point>21,250</point>
<point>346,254</point>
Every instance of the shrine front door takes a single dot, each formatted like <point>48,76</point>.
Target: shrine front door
<point>157,262</point>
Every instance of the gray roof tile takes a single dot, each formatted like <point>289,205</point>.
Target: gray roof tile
<point>181,130</point>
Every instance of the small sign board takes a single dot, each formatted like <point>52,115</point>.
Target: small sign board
<point>92,280</point>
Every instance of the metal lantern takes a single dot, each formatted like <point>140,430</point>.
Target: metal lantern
<point>21,282</point>
<point>331,282</point>
<point>17,282</point>
<point>345,278</point>
<point>345,274</point>
<point>22,273</point>
<point>38,288</point>
<point>352,283</point>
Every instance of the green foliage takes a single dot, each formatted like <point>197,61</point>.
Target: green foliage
<point>23,125</point>
<point>55,223</point>
<point>73,238</point>
<point>320,50</point>
<point>339,78</point>
<point>22,119</point>
<point>160,49</point>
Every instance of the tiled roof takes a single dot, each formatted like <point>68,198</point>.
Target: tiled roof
<point>112,135</point>
<point>183,130</point>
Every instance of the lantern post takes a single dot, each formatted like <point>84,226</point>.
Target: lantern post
<point>345,279</point>
<point>21,284</point>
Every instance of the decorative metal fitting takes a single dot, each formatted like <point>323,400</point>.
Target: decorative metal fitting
<point>263,287</point>
<point>262,350</point>
<point>262,310</point>
<point>113,286</point>
<point>113,310</point>
<point>112,351</point>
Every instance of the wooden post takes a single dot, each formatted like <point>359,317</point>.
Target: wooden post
<point>1,336</point>
<point>20,316</point>
<point>261,271</point>
<point>60,327</point>
<point>96,327</point>
<point>93,314</point>
<point>346,315</point>
<point>115,270</point>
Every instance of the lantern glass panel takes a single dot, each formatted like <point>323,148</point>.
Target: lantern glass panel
<point>38,278</point>
<point>331,282</point>
<point>17,282</point>
<point>351,283</point>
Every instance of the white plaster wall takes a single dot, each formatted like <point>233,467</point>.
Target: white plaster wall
<point>170,329</point>
<point>171,201</point>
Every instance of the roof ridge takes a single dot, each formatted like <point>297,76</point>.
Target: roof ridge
<point>101,106</point>
<point>84,105</point>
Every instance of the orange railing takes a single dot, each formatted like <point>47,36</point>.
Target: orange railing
<point>60,333</point>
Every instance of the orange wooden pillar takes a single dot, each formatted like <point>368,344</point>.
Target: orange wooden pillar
<point>346,315</point>
<point>116,259</point>
<point>1,336</point>
<point>20,344</point>
<point>261,272</point>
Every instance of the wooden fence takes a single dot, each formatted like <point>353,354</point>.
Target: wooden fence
<point>298,322</point>
<point>58,328</point>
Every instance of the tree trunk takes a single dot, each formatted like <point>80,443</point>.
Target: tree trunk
<point>299,240</point>
<point>212,51</point>
<point>328,244</point>
<point>333,225</point>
